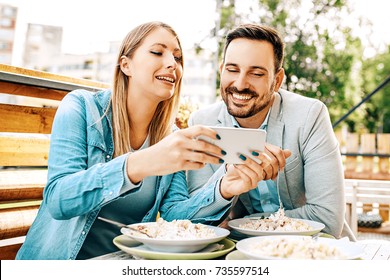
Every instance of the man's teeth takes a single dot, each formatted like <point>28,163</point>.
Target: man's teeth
<point>166,79</point>
<point>242,96</point>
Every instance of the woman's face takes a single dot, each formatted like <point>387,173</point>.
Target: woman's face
<point>156,67</point>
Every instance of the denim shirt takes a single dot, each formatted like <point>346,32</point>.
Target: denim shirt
<point>83,177</point>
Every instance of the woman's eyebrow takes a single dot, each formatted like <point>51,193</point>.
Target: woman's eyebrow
<point>164,46</point>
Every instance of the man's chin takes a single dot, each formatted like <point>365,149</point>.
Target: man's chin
<point>242,114</point>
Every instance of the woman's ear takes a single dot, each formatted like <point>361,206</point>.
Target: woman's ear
<point>125,65</point>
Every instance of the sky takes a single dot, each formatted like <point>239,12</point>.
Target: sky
<point>89,25</point>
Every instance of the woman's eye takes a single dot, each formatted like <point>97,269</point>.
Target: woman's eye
<point>179,58</point>
<point>156,53</point>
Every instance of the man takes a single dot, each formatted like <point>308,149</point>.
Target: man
<point>310,181</point>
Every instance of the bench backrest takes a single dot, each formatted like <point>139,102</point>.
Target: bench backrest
<point>366,192</point>
<point>28,103</point>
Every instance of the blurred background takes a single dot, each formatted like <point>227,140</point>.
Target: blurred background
<point>336,50</point>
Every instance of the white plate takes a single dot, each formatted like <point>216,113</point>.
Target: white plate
<point>236,255</point>
<point>177,245</point>
<point>235,224</point>
<point>134,248</point>
<point>351,250</point>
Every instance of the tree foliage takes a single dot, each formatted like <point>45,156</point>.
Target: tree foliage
<point>377,110</point>
<point>323,59</point>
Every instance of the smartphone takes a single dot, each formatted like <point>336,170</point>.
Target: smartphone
<point>237,141</point>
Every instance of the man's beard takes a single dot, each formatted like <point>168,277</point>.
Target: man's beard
<point>254,109</point>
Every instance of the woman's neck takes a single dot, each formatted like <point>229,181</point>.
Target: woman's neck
<point>140,117</point>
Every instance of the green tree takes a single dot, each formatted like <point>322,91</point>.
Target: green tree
<point>377,110</point>
<point>323,59</point>
<point>320,53</point>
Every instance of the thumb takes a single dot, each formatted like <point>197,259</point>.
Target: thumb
<point>287,153</point>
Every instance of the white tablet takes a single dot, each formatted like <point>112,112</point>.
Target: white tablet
<point>237,141</point>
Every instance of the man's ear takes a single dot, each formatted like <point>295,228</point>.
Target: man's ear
<point>125,65</point>
<point>220,67</point>
<point>279,79</point>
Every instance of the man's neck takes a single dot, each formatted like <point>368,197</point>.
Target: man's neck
<point>257,120</point>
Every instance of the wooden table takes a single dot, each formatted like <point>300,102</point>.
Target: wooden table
<point>373,250</point>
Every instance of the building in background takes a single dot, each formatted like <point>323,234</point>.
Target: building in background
<point>42,51</point>
<point>8,15</point>
<point>198,81</point>
<point>42,45</point>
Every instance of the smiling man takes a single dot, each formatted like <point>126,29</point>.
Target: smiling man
<point>300,138</point>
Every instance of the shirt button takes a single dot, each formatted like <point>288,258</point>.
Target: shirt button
<point>83,232</point>
<point>108,156</point>
<point>110,193</point>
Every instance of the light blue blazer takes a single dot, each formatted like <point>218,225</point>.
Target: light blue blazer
<point>312,184</point>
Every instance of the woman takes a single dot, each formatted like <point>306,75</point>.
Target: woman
<point>113,154</point>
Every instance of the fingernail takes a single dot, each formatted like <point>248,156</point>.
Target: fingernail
<point>218,137</point>
<point>223,152</point>
<point>255,153</point>
<point>243,157</point>
<point>221,160</point>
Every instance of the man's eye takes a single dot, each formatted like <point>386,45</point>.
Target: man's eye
<point>232,70</point>
<point>258,74</point>
<point>156,53</point>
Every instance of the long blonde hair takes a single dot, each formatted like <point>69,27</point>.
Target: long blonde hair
<point>164,116</point>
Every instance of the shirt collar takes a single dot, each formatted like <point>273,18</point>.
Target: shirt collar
<point>264,125</point>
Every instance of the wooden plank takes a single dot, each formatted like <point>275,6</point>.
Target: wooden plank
<point>31,91</point>
<point>26,76</point>
<point>21,192</point>
<point>23,176</point>
<point>9,252</point>
<point>352,146</point>
<point>351,174</point>
<point>384,148</point>
<point>383,253</point>
<point>383,141</point>
<point>26,119</point>
<point>23,151</point>
<point>16,222</point>
<point>368,147</point>
<point>370,250</point>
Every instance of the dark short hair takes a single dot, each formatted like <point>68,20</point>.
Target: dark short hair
<point>258,32</point>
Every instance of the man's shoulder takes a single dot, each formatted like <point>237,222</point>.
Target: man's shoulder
<point>208,114</point>
<point>292,97</point>
<point>211,108</point>
<point>298,107</point>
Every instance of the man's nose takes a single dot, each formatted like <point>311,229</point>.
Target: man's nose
<point>241,82</point>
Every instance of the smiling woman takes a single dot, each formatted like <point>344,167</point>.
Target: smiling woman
<point>117,153</point>
<point>113,153</point>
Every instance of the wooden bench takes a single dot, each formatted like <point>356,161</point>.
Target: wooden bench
<point>366,192</point>
<point>28,103</point>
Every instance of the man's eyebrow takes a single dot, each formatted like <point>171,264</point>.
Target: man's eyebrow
<point>251,67</point>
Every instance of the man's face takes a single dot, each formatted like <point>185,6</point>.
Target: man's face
<point>248,78</point>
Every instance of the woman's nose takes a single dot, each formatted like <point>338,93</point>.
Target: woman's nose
<point>171,63</point>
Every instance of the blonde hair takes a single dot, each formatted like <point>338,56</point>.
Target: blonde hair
<point>164,116</point>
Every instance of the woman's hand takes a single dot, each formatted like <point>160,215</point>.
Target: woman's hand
<point>180,150</point>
